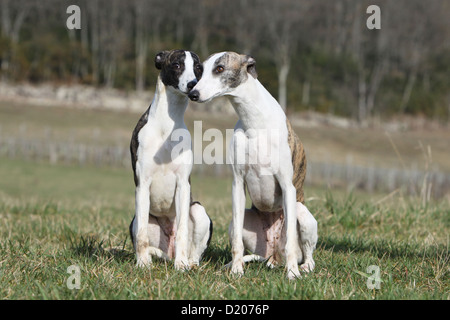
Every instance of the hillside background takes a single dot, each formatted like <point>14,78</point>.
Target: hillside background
<point>313,55</point>
<point>372,107</point>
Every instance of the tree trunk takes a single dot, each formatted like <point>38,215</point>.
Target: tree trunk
<point>110,73</point>
<point>11,29</point>
<point>200,42</point>
<point>141,64</point>
<point>375,80</point>
<point>141,44</point>
<point>179,30</point>
<point>305,92</point>
<point>282,85</point>
<point>362,105</point>
<point>94,55</point>
<point>84,38</point>
<point>408,90</point>
<point>448,110</point>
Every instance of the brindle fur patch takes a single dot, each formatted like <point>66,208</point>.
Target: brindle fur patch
<point>298,161</point>
<point>134,144</point>
<point>298,164</point>
<point>235,72</point>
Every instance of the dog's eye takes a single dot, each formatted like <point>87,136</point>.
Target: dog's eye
<point>198,67</point>
<point>219,69</point>
<point>176,65</point>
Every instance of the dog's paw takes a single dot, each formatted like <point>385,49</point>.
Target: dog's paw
<point>308,266</point>
<point>143,262</point>
<point>237,269</point>
<point>194,264</point>
<point>293,273</point>
<point>181,265</point>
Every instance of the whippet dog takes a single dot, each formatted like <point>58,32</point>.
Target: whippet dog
<point>278,225</point>
<point>167,223</point>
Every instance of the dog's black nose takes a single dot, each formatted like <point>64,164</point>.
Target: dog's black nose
<point>191,84</point>
<point>194,95</point>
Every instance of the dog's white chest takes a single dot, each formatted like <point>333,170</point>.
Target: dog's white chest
<point>264,190</point>
<point>258,158</point>
<point>163,153</point>
<point>155,162</point>
<point>162,191</point>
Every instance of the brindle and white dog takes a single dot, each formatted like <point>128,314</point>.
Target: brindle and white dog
<point>278,225</point>
<point>167,223</point>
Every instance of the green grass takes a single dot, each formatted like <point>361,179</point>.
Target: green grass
<point>53,217</point>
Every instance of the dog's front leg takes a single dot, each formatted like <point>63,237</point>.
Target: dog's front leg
<point>237,244</point>
<point>289,206</point>
<point>182,202</point>
<point>141,245</point>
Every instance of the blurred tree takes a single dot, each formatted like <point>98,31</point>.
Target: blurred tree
<point>317,54</point>
<point>368,43</point>
<point>13,14</point>
<point>284,19</point>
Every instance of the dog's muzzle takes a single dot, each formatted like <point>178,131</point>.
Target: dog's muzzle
<point>194,95</point>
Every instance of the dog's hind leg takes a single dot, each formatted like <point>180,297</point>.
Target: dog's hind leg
<point>307,228</point>
<point>260,236</point>
<point>200,232</point>
<point>158,243</point>
<point>141,244</point>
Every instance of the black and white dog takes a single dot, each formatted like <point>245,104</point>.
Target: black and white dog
<point>167,223</point>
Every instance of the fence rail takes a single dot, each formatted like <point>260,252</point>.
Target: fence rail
<point>412,181</point>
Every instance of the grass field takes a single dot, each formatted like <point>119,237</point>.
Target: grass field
<point>54,216</point>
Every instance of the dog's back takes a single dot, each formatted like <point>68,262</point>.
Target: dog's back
<point>134,143</point>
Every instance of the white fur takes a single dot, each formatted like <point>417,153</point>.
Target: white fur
<point>188,74</point>
<point>164,189</point>
<point>258,112</point>
<point>210,88</point>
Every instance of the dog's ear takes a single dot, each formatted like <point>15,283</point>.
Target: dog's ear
<point>160,58</point>
<point>250,64</point>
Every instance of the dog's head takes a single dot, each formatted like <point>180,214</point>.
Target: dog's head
<point>180,69</point>
<point>223,72</point>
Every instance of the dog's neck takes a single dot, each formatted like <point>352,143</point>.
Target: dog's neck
<point>254,105</point>
<point>168,106</point>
